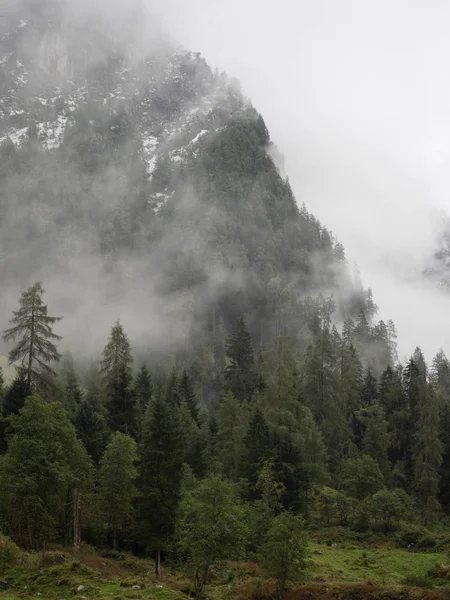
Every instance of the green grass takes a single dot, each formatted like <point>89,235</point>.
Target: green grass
<point>384,566</point>
<point>108,579</point>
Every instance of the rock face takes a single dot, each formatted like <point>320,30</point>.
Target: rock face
<point>52,71</point>
<point>133,176</point>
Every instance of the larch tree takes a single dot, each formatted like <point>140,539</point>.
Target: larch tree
<point>35,350</point>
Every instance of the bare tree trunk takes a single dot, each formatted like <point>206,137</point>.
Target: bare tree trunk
<point>76,523</point>
<point>158,570</point>
<point>214,322</point>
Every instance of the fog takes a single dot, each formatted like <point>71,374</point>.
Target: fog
<point>356,95</point>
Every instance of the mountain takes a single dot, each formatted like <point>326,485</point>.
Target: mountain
<point>136,178</point>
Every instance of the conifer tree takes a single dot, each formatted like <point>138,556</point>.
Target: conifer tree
<point>187,393</point>
<point>240,374</point>
<point>90,424</point>
<point>121,403</point>
<point>73,394</point>
<point>233,425</point>
<point>117,358</point>
<point>427,454</point>
<point>257,449</point>
<point>143,387</point>
<point>161,456</point>
<point>13,401</point>
<point>369,391</point>
<point>35,350</point>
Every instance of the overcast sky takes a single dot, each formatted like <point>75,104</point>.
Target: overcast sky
<point>356,95</point>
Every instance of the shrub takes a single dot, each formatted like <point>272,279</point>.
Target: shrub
<point>51,558</point>
<point>10,553</point>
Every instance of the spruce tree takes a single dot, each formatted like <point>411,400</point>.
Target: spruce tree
<point>161,455</point>
<point>121,403</point>
<point>257,449</point>
<point>369,391</point>
<point>90,424</point>
<point>241,378</point>
<point>13,402</point>
<point>143,387</point>
<point>117,358</point>
<point>187,393</point>
<point>35,350</point>
<point>427,451</point>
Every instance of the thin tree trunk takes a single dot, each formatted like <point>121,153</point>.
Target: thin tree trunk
<point>76,523</point>
<point>30,355</point>
<point>158,570</point>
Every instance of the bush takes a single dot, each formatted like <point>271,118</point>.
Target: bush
<point>51,558</point>
<point>10,553</point>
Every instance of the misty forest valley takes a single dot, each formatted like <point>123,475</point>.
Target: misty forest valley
<point>198,396</point>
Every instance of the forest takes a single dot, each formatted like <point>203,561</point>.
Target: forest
<point>248,426</point>
<point>238,454</point>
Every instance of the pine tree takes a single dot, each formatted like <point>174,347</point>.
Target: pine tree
<point>161,459</point>
<point>35,349</point>
<point>241,378</point>
<point>117,358</point>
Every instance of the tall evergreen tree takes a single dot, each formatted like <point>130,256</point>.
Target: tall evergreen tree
<point>121,403</point>
<point>13,401</point>
<point>257,449</point>
<point>241,377</point>
<point>187,393</point>
<point>427,454</point>
<point>117,358</point>
<point>161,460</point>
<point>143,387</point>
<point>35,350</point>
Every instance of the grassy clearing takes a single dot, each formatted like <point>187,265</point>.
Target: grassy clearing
<point>384,566</point>
<point>345,571</point>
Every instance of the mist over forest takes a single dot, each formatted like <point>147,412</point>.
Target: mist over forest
<point>194,368</point>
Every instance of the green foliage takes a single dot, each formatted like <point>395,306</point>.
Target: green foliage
<point>9,553</point>
<point>240,373</point>
<point>210,527</point>
<point>35,349</point>
<point>361,476</point>
<point>117,489</point>
<point>43,462</point>
<point>117,358</point>
<point>161,456</point>
<point>282,555</point>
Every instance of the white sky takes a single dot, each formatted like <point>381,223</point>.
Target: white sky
<point>356,95</point>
